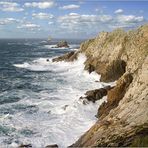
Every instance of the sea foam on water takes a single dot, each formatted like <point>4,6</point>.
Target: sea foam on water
<point>57,115</point>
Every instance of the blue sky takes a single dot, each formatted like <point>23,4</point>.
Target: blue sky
<point>68,18</point>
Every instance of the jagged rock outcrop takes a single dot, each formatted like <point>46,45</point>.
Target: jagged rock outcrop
<point>123,119</point>
<point>97,94</point>
<point>70,56</point>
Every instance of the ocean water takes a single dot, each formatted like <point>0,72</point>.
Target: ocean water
<point>39,99</point>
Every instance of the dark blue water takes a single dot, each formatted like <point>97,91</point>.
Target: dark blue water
<point>19,51</point>
<point>39,99</point>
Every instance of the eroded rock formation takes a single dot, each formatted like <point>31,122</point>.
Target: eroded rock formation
<point>120,56</point>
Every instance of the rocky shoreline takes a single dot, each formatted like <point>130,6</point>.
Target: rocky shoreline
<point>122,57</point>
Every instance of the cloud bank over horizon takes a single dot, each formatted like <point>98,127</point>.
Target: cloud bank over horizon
<point>68,19</point>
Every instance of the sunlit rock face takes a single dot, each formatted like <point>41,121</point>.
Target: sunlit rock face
<point>120,56</point>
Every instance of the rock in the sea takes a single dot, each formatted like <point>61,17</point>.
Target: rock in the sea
<point>97,94</point>
<point>25,146</point>
<point>70,56</point>
<point>52,146</point>
<point>62,44</point>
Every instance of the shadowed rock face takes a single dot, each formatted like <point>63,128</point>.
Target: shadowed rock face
<point>115,95</point>
<point>113,71</point>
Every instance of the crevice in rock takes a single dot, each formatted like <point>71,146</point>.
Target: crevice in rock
<point>115,95</point>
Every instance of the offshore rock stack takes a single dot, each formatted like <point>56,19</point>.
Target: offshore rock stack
<point>122,57</point>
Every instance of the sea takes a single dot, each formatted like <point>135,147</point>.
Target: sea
<point>39,99</point>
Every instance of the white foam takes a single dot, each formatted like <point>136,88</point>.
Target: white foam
<point>71,47</point>
<point>62,118</point>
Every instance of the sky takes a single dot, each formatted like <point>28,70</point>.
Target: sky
<point>68,18</point>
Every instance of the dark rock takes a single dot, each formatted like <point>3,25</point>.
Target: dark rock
<point>65,107</point>
<point>90,68</point>
<point>52,146</point>
<point>70,56</point>
<point>62,44</point>
<point>97,94</point>
<point>25,146</point>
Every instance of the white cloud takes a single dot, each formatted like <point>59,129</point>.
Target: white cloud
<point>42,15</point>
<point>72,6</point>
<point>129,18</point>
<point>50,23</point>
<point>41,5</point>
<point>10,6</point>
<point>29,26</point>
<point>75,17</point>
<point>105,18</point>
<point>118,11</point>
<point>74,22</point>
<point>5,21</point>
<point>126,21</point>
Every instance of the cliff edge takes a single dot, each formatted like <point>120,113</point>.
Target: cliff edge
<point>122,57</point>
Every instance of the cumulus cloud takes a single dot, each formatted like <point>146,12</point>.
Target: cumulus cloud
<point>10,6</point>
<point>5,21</point>
<point>126,21</point>
<point>118,11</point>
<point>71,17</point>
<point>130,18</point>
<point>29,26</point>
<point>72,6</point>
<point>41,5</point>
<point>42,15</point>
<point>74,22</point>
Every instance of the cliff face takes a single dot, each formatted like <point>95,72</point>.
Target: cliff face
<point>121,56</point>
<point>111,54</point>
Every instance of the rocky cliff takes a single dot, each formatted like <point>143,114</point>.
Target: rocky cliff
<point>120,56</point>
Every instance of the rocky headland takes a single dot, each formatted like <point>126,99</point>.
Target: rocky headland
<point>122,57</point>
